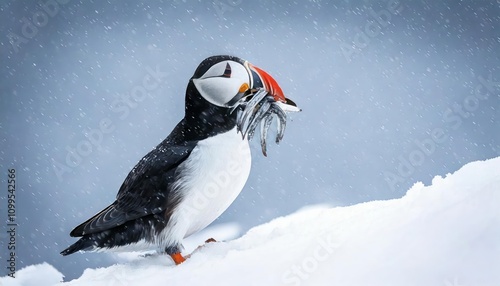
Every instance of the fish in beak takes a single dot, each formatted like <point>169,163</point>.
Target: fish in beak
<point>263,101</point>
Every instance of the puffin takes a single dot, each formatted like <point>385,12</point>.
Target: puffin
<point>190,178</point>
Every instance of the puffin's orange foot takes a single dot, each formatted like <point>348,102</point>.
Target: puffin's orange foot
<point>210,240</point>
<point>177,258</point>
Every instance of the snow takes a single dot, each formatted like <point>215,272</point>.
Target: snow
<point>223,231</point>
<point>445,234</point>
<point>34,275</point>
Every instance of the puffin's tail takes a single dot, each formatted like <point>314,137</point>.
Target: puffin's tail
<point>83,244</point>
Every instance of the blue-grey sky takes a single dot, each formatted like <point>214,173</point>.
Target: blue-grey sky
<point>392,93</point>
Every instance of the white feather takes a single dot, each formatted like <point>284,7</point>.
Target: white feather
<point>212,178</point>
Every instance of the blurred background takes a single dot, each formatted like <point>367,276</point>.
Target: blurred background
<point>392,93</point>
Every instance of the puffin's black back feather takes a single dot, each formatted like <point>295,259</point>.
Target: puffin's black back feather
<point>146,190</point>
<point>129,232</point>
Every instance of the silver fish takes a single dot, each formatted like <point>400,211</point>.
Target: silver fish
<point>261,108</point>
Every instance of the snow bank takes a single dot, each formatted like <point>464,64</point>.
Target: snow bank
<point>34,275</point>
<point>446,234</point>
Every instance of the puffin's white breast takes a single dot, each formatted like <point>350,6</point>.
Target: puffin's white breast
<point>212,177</point>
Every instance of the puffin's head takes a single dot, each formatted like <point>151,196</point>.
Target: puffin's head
<point>235,93</point>
<point>225,80</point>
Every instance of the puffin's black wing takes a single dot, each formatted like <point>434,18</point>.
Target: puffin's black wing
<point>146,190</point>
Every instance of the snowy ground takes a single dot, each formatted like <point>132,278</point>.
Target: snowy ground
<point>446,234</point>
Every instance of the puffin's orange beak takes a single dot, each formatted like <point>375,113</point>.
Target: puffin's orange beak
<point>264,80</point>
